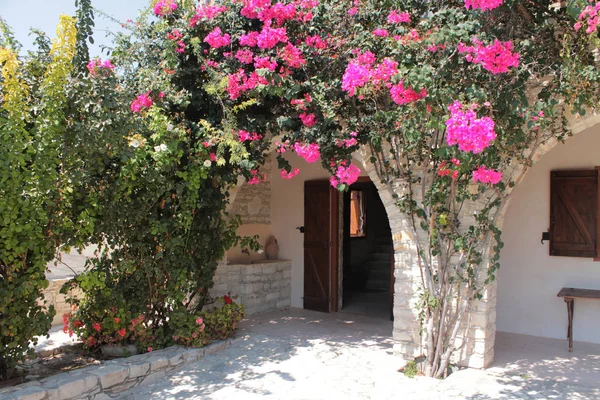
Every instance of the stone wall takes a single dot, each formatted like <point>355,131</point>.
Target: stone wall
<point>53,296</point>
<point>253,202</point>
<point>260,287</point>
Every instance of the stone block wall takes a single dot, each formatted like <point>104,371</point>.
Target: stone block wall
<point>53,296</point>
<point>260,287</point>
<point>253,202</point>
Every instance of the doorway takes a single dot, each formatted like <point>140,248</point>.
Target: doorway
<point>348,250</point>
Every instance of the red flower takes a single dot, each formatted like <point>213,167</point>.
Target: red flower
<point>96,326</point>
<point>121,332</point>
<point>117,320</point>
<point>227,299</point>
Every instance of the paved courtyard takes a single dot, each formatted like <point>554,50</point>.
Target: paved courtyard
<point>306,355</point>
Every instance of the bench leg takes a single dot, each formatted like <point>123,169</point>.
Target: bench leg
<point>570,311</point>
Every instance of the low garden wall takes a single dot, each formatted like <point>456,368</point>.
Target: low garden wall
<point>260,287</point>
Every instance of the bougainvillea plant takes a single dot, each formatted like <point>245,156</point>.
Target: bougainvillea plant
<point>444,96</point>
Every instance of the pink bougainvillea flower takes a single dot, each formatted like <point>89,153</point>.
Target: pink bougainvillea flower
<point>269,37</point>
<point>346,175</point>
<point>381,32</point>
<point>472,134</point>
<point>483,4</point>
<point>485,175</point>
<point>293,56</point>
<point>497,57</point>
<point>350,142</point>
<point>174,35</point>
<point>244,136</point>
<point>355,76</point>
<point>590,16</point>
<point>164,7</point>
<point>206,12</point>
<point>256,178</point>
<point>216,38</point>
<point>122,332</point>
<point>142,102</point>
<point>265,62</point>
<point>404,95</point>
<point>308,119</point>
<point>250,39</point>
<point>316,42</point>
<point>396,17</point>
<point>383,72</point>
<point>96,326</point>
<point>199,321</point>
<point>353,11</point>
<point>245,56</point>
<point>289,175</point>
<point>180,46</point>
<point>310,152</point>
<point>149,349</point>
<point>213,157</point>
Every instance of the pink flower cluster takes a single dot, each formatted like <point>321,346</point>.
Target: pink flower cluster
<point>396,17</point>
<point>265,62</point>
<point>164,7</point>
<point>244,136</point>
<point>589,15</point>
<point>497,57</point>
<point>380,32</point>
<point>245,56</point>
<point>256,178</point>
<point>239,83</point>
<point>206,12</point>
<point>263,10</point>
<point>216,38</point>
<point>289,175</point>
<point>472,134</point>
<point>308,119</point>
<point>404,95</point>
<point>316,42</point>
<point>485,175</point>
<point>348,142</point>
<point>175,35</point>
<point>343,174</point>
<point>292,56</point>
<point>142,102</point>
<point>93,66</point>
<point>483,4</point>
<point>310,152</point>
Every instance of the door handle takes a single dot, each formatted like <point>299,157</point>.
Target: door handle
<point>300,228</point>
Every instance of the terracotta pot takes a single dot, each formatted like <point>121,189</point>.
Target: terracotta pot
<point>272,248</point>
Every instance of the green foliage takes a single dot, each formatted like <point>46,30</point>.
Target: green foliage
<point>410,369</point>
<point>34,189</point>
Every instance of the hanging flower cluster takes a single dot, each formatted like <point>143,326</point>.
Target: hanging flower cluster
<point>142,102</point>
<point>497,57</point>
<point>590,17</point>
<point>345,175</point>
<point>164,7</point>
<point>485,175</point>
<point>483,4</point>
<point>310,152</point>
<point>472,134</point>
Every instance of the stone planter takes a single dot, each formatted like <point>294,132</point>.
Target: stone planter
<point>115,351</point>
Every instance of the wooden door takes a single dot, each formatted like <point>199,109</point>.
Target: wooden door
<point>573,213</point>
<point>321,217</point>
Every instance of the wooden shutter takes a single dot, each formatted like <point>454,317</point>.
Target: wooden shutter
<point>574,213</point>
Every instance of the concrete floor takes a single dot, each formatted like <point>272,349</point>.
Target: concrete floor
<point>374,304</point>
<point>300,354</point>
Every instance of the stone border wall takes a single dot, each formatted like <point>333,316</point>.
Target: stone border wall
<point>112,378</point>
<point>260,287</point>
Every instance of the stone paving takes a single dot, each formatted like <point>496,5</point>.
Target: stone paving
<point>306,355</point>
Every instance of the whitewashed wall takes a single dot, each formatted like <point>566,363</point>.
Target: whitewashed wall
<point>529,278</point>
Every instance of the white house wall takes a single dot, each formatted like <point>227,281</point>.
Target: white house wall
<point>529,278</point>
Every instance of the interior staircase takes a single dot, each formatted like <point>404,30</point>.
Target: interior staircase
<point>379,264</point>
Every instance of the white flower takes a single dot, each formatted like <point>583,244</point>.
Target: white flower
<point>156,149</point>
<point>134,143</point>
<point>163,147</point>
<point>260,251</point>
<point>207,163</point>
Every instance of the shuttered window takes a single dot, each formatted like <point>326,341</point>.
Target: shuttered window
<point>574,213</point>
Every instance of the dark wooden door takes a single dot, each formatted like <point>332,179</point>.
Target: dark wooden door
<point>321,215</point>
<point>573,213</point>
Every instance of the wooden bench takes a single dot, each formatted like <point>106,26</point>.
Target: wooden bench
<point>570,294</point>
